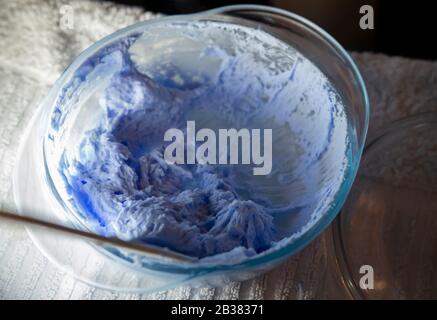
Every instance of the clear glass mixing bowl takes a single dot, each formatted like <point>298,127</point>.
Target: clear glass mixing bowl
<point>155,274</point>
<point>389,220</point>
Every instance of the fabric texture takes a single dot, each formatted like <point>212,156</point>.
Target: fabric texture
<point>35,51</point>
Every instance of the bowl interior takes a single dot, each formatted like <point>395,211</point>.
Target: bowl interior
<point>303,86</point>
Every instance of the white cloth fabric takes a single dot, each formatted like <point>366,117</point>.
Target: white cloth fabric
<point>35,50</point>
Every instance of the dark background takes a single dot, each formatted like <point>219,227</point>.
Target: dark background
<point>404,28</point>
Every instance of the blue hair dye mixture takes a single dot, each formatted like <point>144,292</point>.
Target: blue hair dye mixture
<point>221,76</point>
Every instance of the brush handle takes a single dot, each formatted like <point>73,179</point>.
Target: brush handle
<point>131,246</point>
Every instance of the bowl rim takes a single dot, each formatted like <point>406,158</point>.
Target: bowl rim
<point>269,256</point>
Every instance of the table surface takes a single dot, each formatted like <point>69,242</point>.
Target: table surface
<point>35,50</point>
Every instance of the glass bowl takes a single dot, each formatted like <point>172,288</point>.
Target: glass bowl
<point>98,264</point>
<point>385,236</point>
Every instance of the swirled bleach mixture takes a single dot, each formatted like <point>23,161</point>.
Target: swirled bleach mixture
<point>108,132</point>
